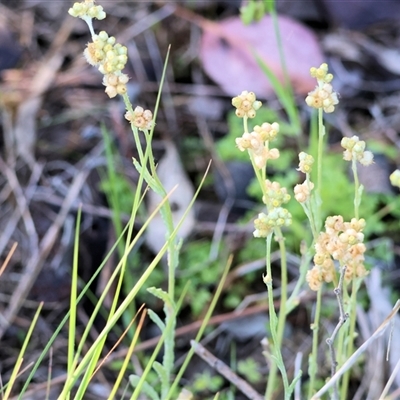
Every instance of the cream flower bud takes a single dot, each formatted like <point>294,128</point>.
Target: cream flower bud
<point>395,178</point>
<point>121,88</point>
<point>123,78</point>
<point>302,191</point>
<point>251,113</point>
<point>273,154</point>
<point>111,91</point>
<point>367,158</point>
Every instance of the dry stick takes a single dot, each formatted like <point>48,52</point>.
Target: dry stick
<point>20,210</point>
<point>21,206</point>
<point>8,258</point>
<point>225,371</point>
<point>342,319</point>
<point>347,365</point>
<point>389,383</point>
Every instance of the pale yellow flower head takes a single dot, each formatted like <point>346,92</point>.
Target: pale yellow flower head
<point>305,162</point>
<point>355,150</point>
<point>395,178</point>
<point>140,118</point>
<point>323,95</point>
<point>87,9</point>
<point>246,104</point>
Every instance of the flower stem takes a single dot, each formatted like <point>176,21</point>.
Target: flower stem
<point>350,345</point>
<point>343,316</point>
<point>277,324</point>
<point>321,134</point>
<point>312,369</point>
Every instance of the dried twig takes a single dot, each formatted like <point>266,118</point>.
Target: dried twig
<point>348,364</point>
<point>225,371</point>
<point>390,381</point>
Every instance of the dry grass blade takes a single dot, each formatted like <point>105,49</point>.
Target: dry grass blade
<point>8,258</point>
<point>389,383</point>
<point>348,364</point>
<point>225,371</point>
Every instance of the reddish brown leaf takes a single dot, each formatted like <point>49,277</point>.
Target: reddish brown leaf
<point>228,48</point>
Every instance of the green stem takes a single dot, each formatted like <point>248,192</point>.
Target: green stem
<point>350,345</point>
<point>357,191</point>
<point>313,365</point>
<point>321,134</point>
<point>245,125</point>
<point>284,281</point>
<point>291,110</point>
<point>272,320</point>
<point>276,327</point>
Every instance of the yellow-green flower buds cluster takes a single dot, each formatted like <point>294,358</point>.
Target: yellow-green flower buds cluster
<point>246,104</point>
<point>342,242</point>
<point>257,143</point>
<point>267,131</point>
<point>321,74</point>
<point>355,150</point>
<point>87,9</point>
<point>265,223</point>
<point>323,95</point>
<point>302,191</point>
<point>277,216</point>
<point>104,53</point>
<point>395,178</point>
<point>141,118</point>
<point>110,59</point>
<point>275,195</point>
<point>305,162</point>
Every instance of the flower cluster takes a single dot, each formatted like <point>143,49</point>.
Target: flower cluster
<point>104,53</point>
<point>342,242</point>
<point>265,223</point>
<point>355,150</point>
<point>275,195</point>
<point>306,162</point>
<point>302,191</point>
<point>277,216</point>
<point>321,74</point>
<point>142,119</point>
<point>395,178</point>
<point>323,95</point>
<point>87,10</point>
<point>246,104</point>
<point>257,143</point>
